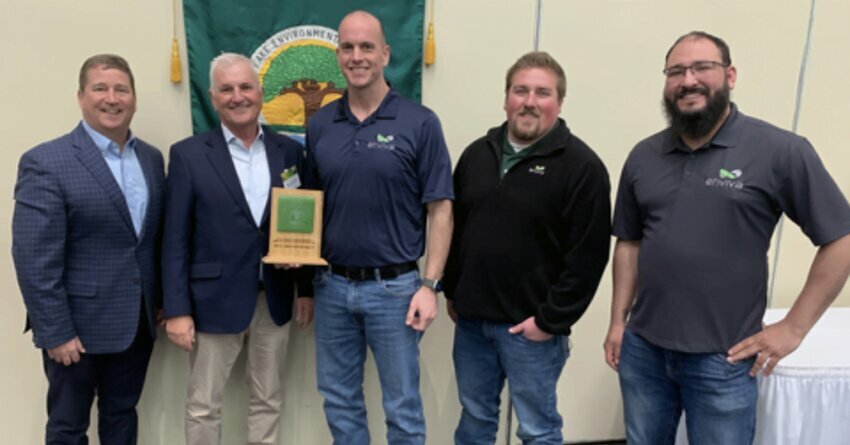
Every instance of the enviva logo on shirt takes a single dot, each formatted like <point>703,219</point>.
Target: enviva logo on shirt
<point>382,142</point>
<point>726,179</point>
<point>538,170</point>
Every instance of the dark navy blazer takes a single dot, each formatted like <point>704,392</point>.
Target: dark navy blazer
<point>212,247</point>
<point>81,268</point>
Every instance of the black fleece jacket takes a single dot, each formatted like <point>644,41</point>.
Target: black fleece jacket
<point>535,242</point>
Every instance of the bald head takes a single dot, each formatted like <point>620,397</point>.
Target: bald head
<point>361,19</point>
<point>363,53</point>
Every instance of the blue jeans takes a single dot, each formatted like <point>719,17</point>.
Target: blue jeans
<point>351,315</point>
<point>485,354</point>
<point>657,384</point>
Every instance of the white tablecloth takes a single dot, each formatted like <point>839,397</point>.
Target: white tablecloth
<point>806,400</point>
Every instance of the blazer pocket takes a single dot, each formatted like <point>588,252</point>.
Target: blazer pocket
<point>205,270</point>
<point>81,289</point>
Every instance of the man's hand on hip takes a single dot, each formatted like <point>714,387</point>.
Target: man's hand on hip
<point>770,345</point>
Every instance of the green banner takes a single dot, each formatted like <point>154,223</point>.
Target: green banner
<point>292,43</point>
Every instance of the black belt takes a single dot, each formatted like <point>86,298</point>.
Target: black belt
<point>371,273</point>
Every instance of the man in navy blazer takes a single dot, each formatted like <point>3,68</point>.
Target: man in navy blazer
<point>85,241</point>
<point>218,294</point>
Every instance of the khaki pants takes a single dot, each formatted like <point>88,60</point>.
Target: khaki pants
<point>210,364</point>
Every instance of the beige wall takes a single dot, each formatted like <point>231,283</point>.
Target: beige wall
<point>612,51</point>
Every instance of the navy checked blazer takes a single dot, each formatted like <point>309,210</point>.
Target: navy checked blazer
<point>81,268</point>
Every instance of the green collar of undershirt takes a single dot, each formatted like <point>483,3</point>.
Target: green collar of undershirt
<point>510,157</point>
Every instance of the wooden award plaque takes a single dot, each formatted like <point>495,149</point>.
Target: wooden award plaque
<point>295,229</point>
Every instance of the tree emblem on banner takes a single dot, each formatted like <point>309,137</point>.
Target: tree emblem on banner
<point>299,74</point>
<point>292,44</point>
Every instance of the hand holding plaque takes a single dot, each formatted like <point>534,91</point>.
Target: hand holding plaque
<point>295,230</point>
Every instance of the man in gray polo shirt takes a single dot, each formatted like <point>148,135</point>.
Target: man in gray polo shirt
<point>696,206</point>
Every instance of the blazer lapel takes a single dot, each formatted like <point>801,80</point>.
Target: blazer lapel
<point>219,156</point>
<point>146,161</point>
<point>91,157</point>
<point>277,163</point>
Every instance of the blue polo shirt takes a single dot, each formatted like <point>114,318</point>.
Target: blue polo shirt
<point>704,219</point>
<point>377,176</point>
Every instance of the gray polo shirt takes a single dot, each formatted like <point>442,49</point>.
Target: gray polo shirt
<point>704,219</point>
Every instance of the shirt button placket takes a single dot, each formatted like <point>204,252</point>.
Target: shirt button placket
<point>689,164</point>
<point>687,172</point>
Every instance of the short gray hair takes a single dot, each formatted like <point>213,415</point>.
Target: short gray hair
<point>224,60</point>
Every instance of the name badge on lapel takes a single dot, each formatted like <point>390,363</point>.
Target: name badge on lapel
<point>290,178</point>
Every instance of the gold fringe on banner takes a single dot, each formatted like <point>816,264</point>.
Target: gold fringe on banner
<point>176,67</point>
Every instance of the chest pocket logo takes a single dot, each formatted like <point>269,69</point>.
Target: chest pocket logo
<point>538,170</point>
<point>726,179</point>
<point>382,142</point>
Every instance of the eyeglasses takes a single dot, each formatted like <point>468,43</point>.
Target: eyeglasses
<point>698,68</point>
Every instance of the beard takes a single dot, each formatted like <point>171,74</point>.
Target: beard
<point>527,133</point>
<point>696,124</point>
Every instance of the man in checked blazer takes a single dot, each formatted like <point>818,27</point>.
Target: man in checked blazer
<point>85,242</point>
<point>218,296</point>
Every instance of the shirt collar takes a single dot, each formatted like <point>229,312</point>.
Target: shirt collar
<point>388,109</point>
<point>229,136</point>
<point>557,138</point>
<point>508,147</point>
<point>103,143</point>
<point>726,137</point>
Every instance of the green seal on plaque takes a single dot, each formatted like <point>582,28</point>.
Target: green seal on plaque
<point>295,214</point>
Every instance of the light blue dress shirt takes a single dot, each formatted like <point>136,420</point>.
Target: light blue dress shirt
<point>127,171</point>
<point>252,168</point>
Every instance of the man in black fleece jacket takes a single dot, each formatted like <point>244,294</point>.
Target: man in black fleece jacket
<point>531,240</point>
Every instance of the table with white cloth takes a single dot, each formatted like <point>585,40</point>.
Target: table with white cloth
<point>806,400</point>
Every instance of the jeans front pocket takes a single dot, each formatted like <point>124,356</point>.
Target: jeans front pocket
<point>402,286</point>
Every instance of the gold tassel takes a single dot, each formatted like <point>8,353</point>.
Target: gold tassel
<point>430,46</point>
<point>176,69</point>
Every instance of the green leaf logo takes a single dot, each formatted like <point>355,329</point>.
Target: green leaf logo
<point>288,173</point>
<point>384,139</point>
<point>538,170</point>
<point>726,174</point>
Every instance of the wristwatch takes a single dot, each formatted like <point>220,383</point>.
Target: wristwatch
<point>435,285</point>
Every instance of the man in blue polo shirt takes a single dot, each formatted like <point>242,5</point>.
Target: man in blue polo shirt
<point>384,167</point>
<point>696,208</point>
